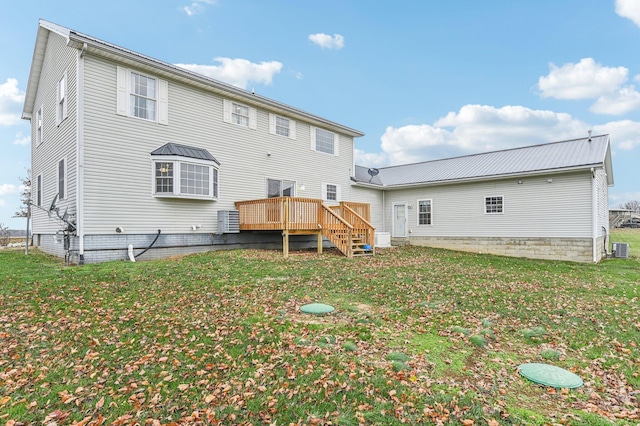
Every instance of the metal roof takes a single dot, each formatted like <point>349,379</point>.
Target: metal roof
<point>184,151</point>
<point>87,43</point>
<point>546,158</point>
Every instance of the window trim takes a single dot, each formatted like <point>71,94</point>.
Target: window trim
<point>124,93</point>
<point>273,126</point>
<point>487,197</point>
<point>227,114</point>
<point>39,190</point>
<point>430,212</point>
<point>325,192</point>
<point>62,191</point>
<point>62,99</point>
<point>314,140</point>
<point>178,161</point>
<point>294,185</point>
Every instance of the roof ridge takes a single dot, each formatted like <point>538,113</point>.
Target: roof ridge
<point>478,154</point>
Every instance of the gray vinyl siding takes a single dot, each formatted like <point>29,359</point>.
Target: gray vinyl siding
<point>118,169</point>
<point>59,141</point>
<point>374,198</point>
<point>535,208</point>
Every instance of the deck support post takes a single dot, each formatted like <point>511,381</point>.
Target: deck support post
<point>319,242</point>
<point>285,243</point>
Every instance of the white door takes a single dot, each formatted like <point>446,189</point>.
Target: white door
<point>400,220</point>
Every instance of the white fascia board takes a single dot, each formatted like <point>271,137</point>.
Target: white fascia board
<point>478,179</point>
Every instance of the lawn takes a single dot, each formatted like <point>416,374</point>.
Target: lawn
<point>419,335</point>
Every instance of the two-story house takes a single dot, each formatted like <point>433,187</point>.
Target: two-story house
<point>133,156</point>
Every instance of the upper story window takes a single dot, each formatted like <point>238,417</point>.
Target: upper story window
<point>240,114</point>
<point>324,141</point>
<point>186,172</point>
<point>62,183</point>
<point>493,204</point>
<point>142,96</point>
<point>282,126</point>
<point>424,212</point>
<point>39,127</point>
<point>61,94</point>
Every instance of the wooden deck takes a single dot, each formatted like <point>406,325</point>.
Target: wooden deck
<point>347,226</point>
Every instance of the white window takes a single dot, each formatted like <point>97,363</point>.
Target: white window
<point>61,108</point>
<point>282,126</point>
<point>424,212</point>
<point>493,204</point>
<point>142,96</point>
<point>188,178</point>
<point>62,182</point>
<point>324,141</point>
<point>331,192</point>
<point>280,188</point>
<point>239,114</point>
<point>39,191</point>
<point>39,126</point>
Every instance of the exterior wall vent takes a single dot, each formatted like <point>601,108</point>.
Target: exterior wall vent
<point>228,221</point>
<point>621,250</point>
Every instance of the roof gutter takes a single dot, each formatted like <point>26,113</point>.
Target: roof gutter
<point>479,178</point>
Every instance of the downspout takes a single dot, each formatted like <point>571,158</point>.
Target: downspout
<point>594,215</point>
<point>80,153</point>
<point>384,207</point>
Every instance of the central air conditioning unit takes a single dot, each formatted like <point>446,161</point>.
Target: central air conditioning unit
<point>228,221</point>
<point>620,250</point>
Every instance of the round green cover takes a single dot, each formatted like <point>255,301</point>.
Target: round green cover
<point>550,375</point>
<point>317,309</point>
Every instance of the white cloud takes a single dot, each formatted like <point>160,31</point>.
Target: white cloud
<point>621,102</point>
<point>237,72</point>
<point>370,159</point>
<point>8,188</point>
<point>21,139</point>
<point>477,128</point>
<point>326,41</point>
<point>629,9</point>
<point>11,100</point>
<point>584,80</point>
<point>624,134</point>
<point>197,6</point>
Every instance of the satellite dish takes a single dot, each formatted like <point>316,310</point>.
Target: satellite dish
<point>53,203</point>
<point>373,173</point>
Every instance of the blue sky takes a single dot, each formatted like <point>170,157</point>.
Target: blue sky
<point>422,79</point>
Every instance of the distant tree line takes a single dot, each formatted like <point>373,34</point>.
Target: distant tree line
<point>634,206</point>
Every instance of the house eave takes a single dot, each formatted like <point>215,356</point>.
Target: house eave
<point>479,178</point>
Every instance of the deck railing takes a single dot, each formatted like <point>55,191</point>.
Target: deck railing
<point>296,215</point>
<point>357,215</point>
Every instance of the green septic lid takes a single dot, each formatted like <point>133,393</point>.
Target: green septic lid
<point>550,375</point>
<point>317,309</point>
